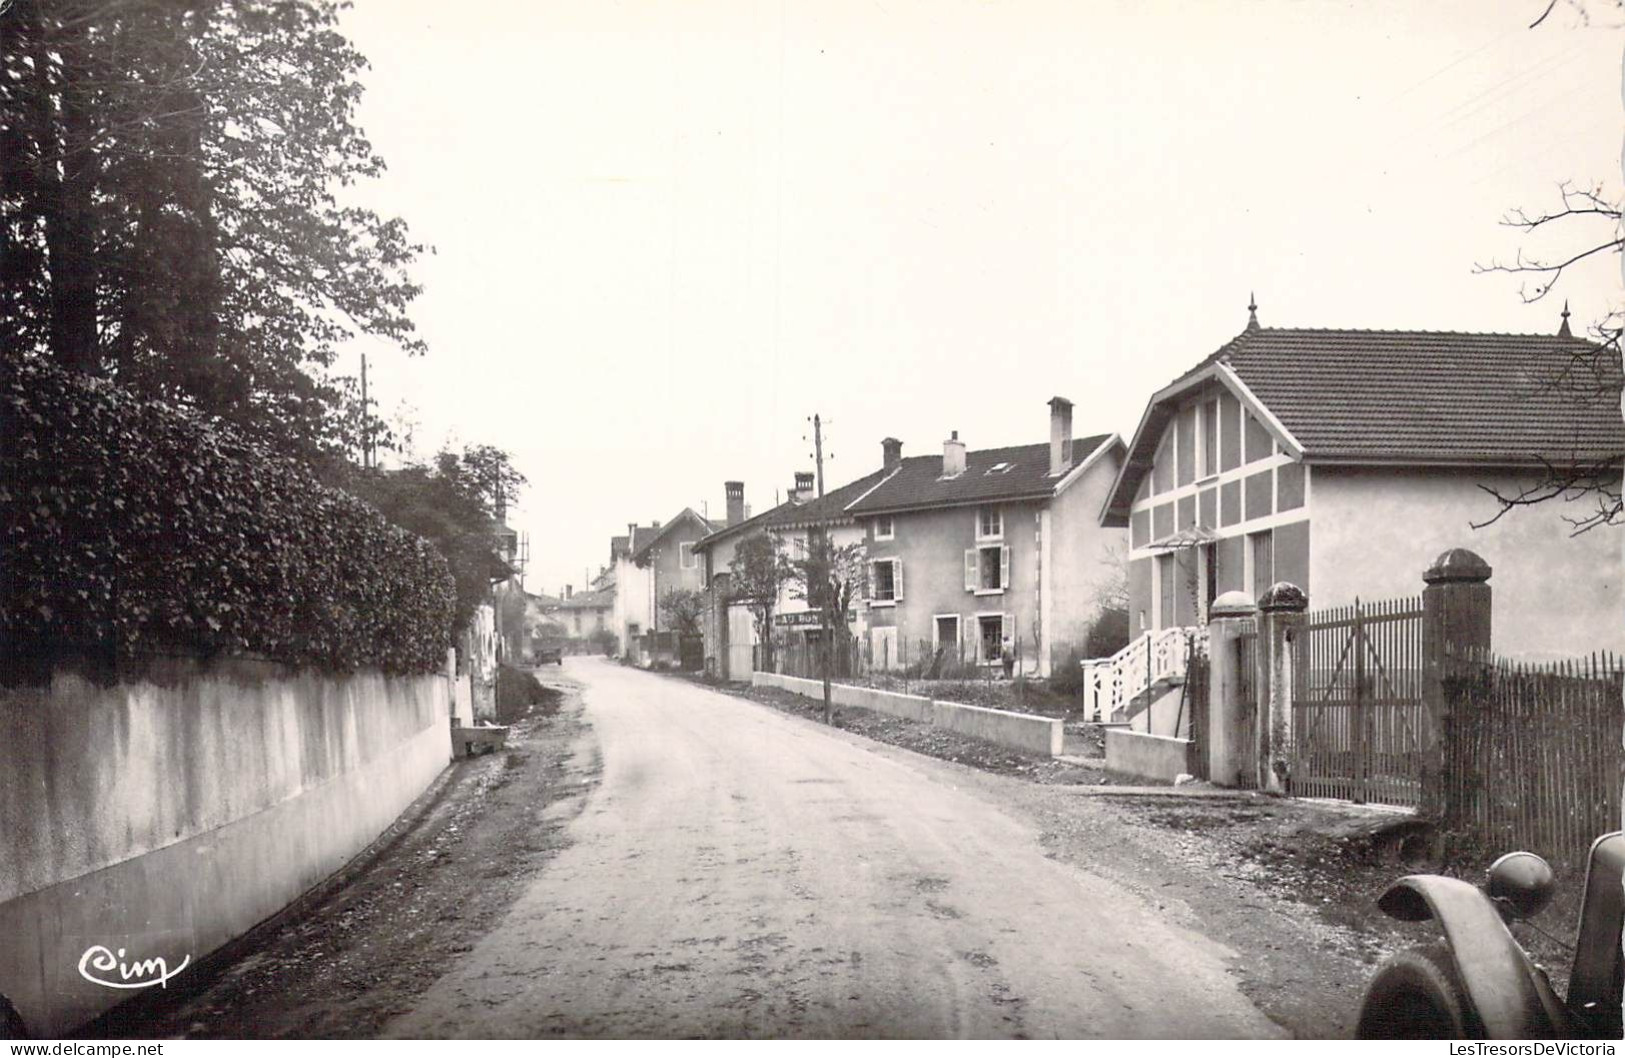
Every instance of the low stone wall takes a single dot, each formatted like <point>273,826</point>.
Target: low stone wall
<point>161,816</point>
<point>1035,734</point>
<point>1156,757</point>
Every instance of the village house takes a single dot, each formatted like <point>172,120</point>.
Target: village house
<point>654,559</point>
<point>584,614</point>
<point>977,553</point>
<point>1345,461</point>
<point>729,629</point>
<point>798,625</point>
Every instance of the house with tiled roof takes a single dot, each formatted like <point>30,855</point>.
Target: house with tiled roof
<point>978,553</point>
<point>730,633</point>
<point>1345,461</point>
<point>649,561</point>
<point>583,613</point>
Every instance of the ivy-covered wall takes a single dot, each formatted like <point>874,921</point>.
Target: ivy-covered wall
<point>129,527</point>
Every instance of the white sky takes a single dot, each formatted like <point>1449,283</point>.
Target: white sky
<point>669,233</point>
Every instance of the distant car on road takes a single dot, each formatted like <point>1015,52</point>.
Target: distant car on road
<point>549,650</point>
<point>1478,982</point>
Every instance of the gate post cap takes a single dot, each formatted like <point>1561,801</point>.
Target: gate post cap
<point>1233,604</point>
<point>1284,597</point>
<point>1457,566</point>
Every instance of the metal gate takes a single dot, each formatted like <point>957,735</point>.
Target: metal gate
<point>1358,720</point>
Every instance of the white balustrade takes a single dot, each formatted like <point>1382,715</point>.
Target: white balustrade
<point>1112,683</point>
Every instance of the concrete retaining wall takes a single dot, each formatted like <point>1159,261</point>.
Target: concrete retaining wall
<point>1035,734</point>
<point>1148,756</point>
<point>907,706</point>
<point>172,811</point>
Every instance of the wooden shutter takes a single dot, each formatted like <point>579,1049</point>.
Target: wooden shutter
<point>970,569</point>
<point>1004,566</point>
<point>1007,629</point>
<point>897,579</point>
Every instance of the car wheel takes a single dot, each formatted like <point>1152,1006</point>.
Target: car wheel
<point>1417,994</point>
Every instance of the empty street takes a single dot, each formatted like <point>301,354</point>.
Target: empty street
<point>740,872</point>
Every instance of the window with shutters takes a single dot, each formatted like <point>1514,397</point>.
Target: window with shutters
<point>886,581</point>
<point>987,569</point>
<point>685,555</point>
<point>989,524</point>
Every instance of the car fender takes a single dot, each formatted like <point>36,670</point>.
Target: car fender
<point>1512,999</point>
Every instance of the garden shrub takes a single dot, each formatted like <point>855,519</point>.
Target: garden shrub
<point>1067,677</point>
<point>130,527</point>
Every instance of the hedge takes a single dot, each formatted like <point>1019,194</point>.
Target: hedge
<point>132,527</point>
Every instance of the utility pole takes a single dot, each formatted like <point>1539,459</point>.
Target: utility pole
<point>818,450</point>
<point>366,418</point>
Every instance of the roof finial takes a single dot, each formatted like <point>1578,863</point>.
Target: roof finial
<point>1563,328</point>
<point>1252,312</point>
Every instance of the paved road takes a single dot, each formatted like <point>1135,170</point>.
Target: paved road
<point>740,872</point>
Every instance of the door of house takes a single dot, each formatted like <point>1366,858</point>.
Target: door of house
<point>1210,579</point>
<point>1165,591</point>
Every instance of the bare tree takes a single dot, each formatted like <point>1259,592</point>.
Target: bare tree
<point>1583,227</point>
<point>830,578</point>
<point>757,575</point>
<point>1585,224</point>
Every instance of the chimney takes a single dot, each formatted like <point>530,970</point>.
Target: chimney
<point>735,493</point>
<point>1060,436</point>
<point>891,451</point>
<point>569,590</point>
<point>805,489</point>
<point>953,456</point>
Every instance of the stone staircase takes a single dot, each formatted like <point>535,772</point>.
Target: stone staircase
<point>1146,673</point>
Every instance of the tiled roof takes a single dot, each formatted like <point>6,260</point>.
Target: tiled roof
<point>919,482</point>
<point>828,509</point>
<point>1425,396</point>
<point>721,533</point>
<point>588,600</point>
<point>645,537</point>
<point>1409,398</point>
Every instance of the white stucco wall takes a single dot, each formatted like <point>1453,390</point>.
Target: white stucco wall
<point>1077,555</point>
<point>1375,531</point>
<point>632,599</point>
<point>176,808</point>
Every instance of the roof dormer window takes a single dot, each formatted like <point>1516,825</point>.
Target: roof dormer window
<point>1000,468</point>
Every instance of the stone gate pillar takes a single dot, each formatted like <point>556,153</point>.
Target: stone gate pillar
<point>1229,718</point>
<point>1280,623</point>
<point>1455,636</point>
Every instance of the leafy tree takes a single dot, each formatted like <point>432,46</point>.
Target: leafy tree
<point>171,172</point>
<point>757,574</point>
<point>683,609</point>
<point>830,577</point>
<point>445,503</point>
<point>490,473</point>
